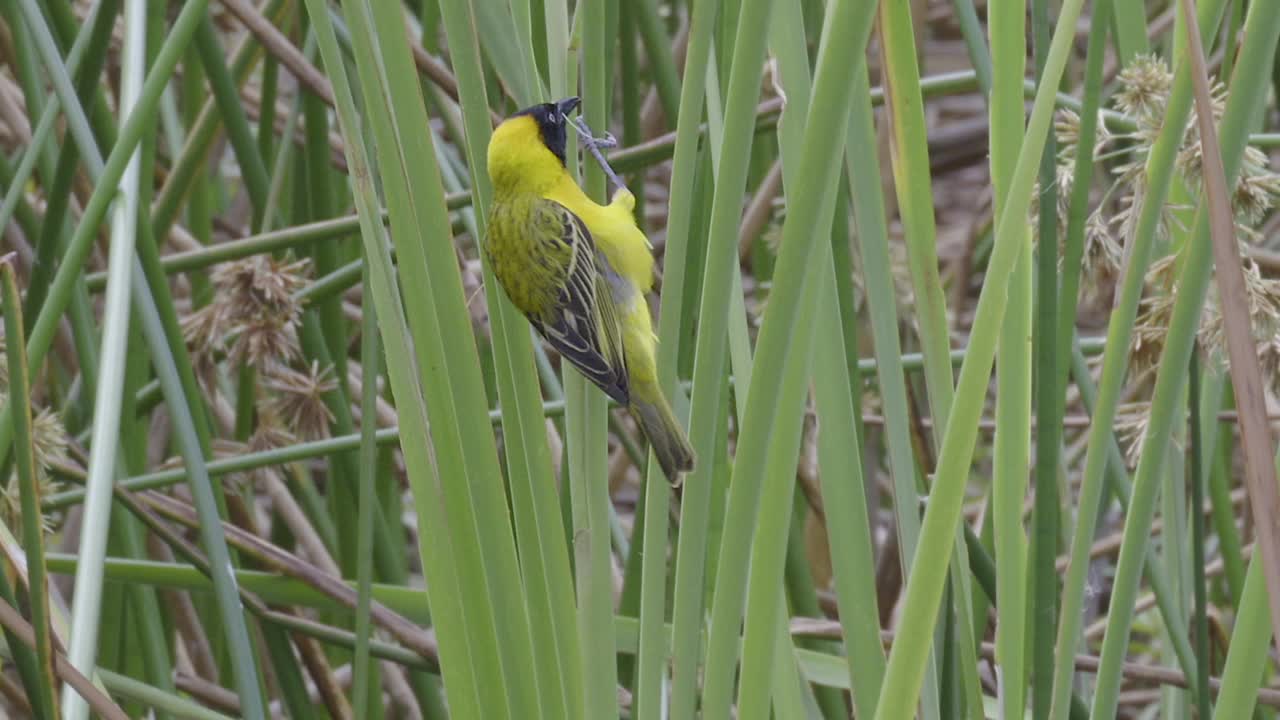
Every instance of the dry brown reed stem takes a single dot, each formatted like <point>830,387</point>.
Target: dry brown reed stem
<point>16,696</point>
<point>309,650</point>
<point>1147,601</point>
<point>402,629</point>
<point>1111,543</point>
<point>759,210</point>
<point>296,520</point>
<point>830,629</point>
<point>288,54</point>
<point>207,693</point>
<point>322,675</point>
<point>1246,372</point>
<point>410,635</point>
<point>278,45</point>
<point>101,704</point>
<point>399,691</point>
<point>1078,422</point>
<point>653,117</point>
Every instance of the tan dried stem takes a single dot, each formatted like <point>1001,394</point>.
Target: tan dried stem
<point>1246,375</point>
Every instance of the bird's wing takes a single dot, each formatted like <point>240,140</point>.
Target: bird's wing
<point>583,324</point>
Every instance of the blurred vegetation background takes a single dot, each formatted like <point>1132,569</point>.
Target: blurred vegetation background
<point>274,443</point>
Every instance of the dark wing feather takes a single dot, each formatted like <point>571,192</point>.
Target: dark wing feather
<point>583,325</point>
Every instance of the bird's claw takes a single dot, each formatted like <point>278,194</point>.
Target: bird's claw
<point>589,139</point>
<point>594,144</point>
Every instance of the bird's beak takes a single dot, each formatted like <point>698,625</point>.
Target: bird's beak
<point>568,105</point>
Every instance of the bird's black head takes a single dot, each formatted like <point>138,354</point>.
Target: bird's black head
<point>553,121</point>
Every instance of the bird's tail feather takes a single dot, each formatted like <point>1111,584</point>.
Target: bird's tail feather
<point>666,436</point>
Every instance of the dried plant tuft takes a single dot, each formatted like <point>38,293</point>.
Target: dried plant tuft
<point>298,399</point>
<point>1144,91</point>
<point>49,444</point>
<point>254,305</point>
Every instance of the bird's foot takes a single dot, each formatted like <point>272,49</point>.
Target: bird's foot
<point>606,141</point>
<point>589,138</point>
<point>594,145</point>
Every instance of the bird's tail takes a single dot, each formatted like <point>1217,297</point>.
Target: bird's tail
<point>666,437</point>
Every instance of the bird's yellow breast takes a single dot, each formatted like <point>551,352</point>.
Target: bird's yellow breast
<point>614,229</point>
<point>519,162</point>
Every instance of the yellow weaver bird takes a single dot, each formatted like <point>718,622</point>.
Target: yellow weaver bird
<point>579,270</point>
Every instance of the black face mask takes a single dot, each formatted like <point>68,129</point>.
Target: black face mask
<point>553,119</point>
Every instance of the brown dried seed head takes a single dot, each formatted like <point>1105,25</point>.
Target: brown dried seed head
<point>1144,89</point>
<point>257,306</point>
<point>49,439</point>
<point>298,399</point>
<point>1131,427</point>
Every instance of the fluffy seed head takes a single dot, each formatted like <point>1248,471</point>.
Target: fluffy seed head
<point>1144,89</point>
<point>298,399</point>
